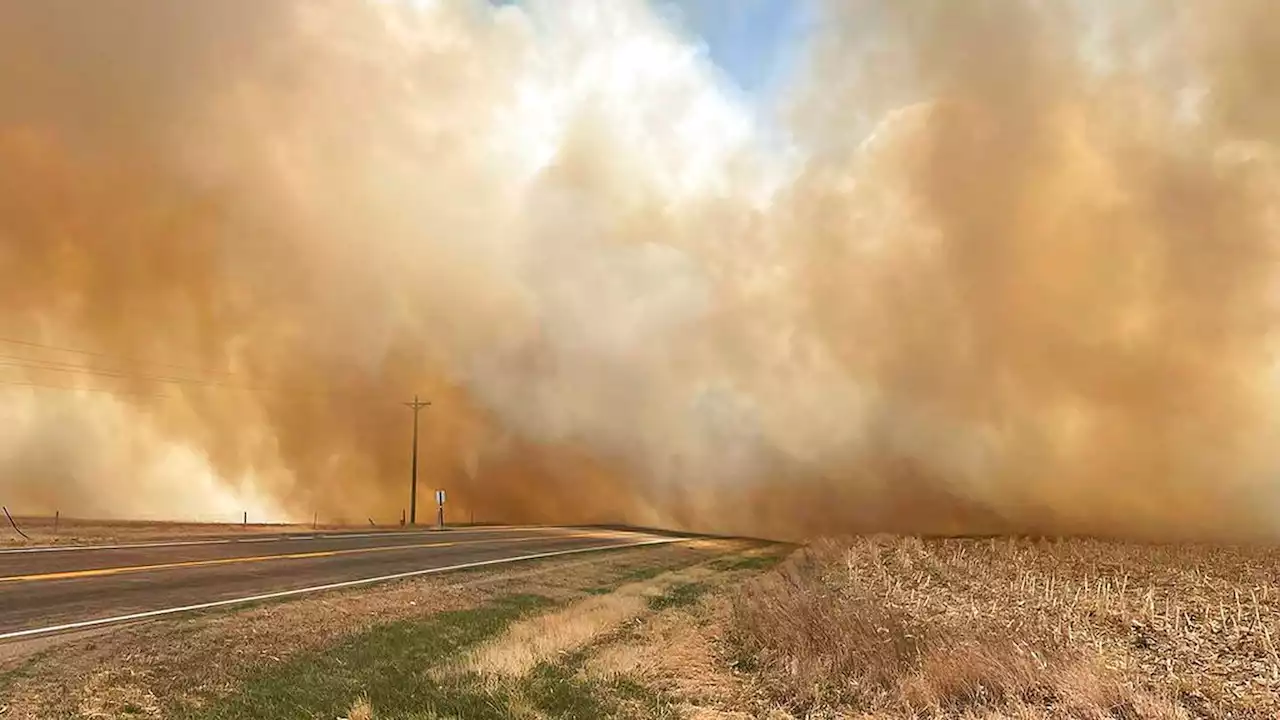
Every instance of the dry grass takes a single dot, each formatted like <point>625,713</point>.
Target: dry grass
<point>869,628</point>
<point>543,638</point>
<point>360,710</point>
<point>970,628</point>
<point>69,531</point>
<point>645,649</point>
<point>676,653</point>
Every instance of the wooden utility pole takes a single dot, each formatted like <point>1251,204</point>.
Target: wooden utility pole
<point>416,405</point>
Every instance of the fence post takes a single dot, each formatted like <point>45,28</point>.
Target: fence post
<point>14,524</point>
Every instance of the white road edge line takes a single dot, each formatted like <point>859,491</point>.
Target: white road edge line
<point>271,538</point>
<point>317,588</point>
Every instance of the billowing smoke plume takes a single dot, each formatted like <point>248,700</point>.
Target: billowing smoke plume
<point>994,265</point>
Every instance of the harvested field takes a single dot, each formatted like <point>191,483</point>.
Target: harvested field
<point>894,627</point>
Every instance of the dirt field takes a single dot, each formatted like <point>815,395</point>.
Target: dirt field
<point>70,531</point>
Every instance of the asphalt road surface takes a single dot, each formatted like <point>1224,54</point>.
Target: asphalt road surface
<point>46,590</point>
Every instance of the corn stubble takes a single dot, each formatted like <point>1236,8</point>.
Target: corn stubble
<point>894,627</point>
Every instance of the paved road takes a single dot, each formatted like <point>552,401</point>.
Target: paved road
<point>51,589</point>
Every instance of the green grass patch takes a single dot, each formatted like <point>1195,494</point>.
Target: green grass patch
<point>642,574</point>
<point>389,664</point>
<point>681,595</point>
<point>559,690</point>
<point>748,562</point>
<point>649,702</point>
<point>636,575</point>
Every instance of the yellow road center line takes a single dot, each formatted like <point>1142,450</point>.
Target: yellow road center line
<point>99,572</point>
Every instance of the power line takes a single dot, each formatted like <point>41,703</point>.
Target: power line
<point>109,356</point>
<point>36,364</point>
<point>52,366</point>
<point>59,366</point>
<point>26,363</point>
<point>43,386</point>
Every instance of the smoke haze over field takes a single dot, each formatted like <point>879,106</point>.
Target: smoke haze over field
<point>991,265</point>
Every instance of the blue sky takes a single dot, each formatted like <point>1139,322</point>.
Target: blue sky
<point>753,41</point>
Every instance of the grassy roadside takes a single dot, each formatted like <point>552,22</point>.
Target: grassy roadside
<point>388,664</point>
<point>515,657</point>
<point>333,648</point>
<point>395,669</point>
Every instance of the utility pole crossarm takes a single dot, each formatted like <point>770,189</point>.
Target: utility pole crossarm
<point>416,406</point>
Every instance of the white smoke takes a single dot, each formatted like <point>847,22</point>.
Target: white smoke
<point>962,286</point>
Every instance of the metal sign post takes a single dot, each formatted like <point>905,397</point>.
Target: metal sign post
<point>440,509</point>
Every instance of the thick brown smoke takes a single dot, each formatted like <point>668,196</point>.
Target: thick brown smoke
<point>1011,268</point>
